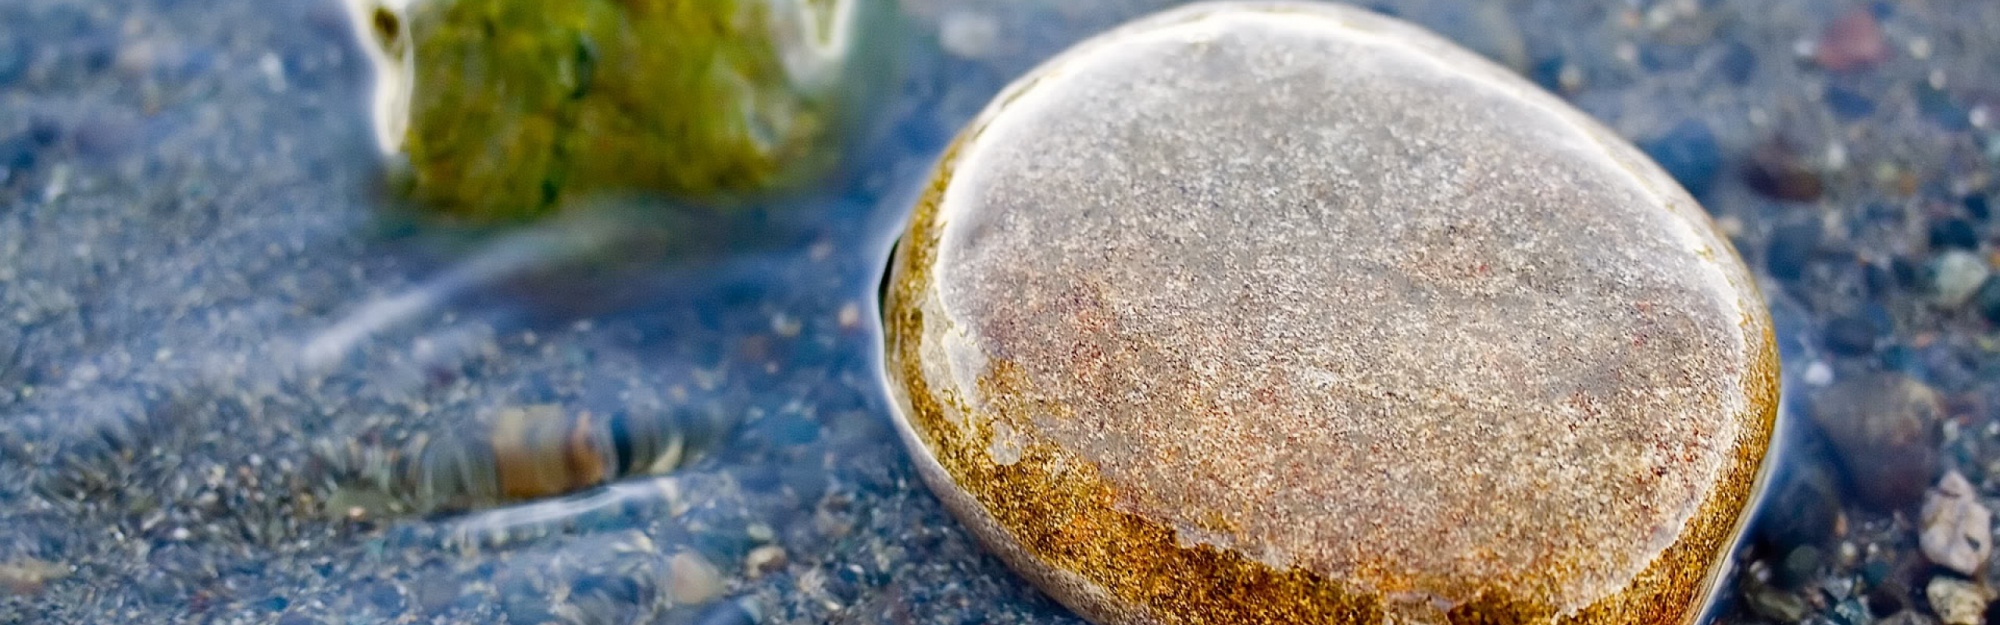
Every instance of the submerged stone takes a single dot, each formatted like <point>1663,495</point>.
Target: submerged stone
<point>504,108</point>
<point>1292,313</point>
<point>1884,431</point>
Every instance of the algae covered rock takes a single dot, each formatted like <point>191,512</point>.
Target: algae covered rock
<point>504,108</point>
<point>1292,313</point>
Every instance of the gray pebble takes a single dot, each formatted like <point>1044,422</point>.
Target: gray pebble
<point>1956,276</point>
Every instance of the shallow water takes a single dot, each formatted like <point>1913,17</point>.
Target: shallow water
<point>201,291</point>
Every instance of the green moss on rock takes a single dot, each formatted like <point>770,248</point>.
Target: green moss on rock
<point>506,108</point>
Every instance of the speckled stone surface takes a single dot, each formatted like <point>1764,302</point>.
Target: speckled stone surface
<point>1289,312</point>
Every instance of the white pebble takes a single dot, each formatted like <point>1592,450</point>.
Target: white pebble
<point>968,34</point>
<point>1957,530</point>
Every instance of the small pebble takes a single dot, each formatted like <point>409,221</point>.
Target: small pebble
<point>1690,153</point>
<point>1956,275</point>
<point>1884,600</point>
<point>694,580</point>
<point>765,559</point>
<point>1738,62</point>
<point>1884,431</point>
<point>968,33</point>
<point>1957,530</point>
<point>1988,299</point>
<point>27,576</point>
<point>1811,497</point>
<point>1849,103</point>
<point>1791,247</point>
<point>1801,565</point>
<point>1776,604</point>
<point>1850,336</point>
<point>1956,601</point>
<point>1779,172</point>
<point>1818,374</point>
<point>1852,42</point>
<point>1954,234</point>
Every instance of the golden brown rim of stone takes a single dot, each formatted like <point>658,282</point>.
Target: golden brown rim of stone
<point>1059,516</point>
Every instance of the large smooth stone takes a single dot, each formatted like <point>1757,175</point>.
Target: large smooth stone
<point>1292,313</point>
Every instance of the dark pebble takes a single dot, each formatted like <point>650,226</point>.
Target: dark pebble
<point>1880,278</point>
<point>1663,57</point>
<point>14,60</point>
<point>1800,566</point>
<point>1738,63</point>
<point>1976,206</point>
<point>1988,299</point>
<point>44,131</point>
<point>1690,153</point>
<point>1882,601</point>
<point>1548,74</point>
<point>1791,247</point>
<point>722,545</point>
<point>17,156</point>
<point>1810,497</point>
<point>94,53</point>
<point>1777,171</point>
<point>1909,273</point>
<point>1954,233</point>
<point>1938,105</point>
<point>1899,358</point>
<point>1883,427</point>
<point>1877,573</point>
<point>1848,103</point>
<point>1850,336</point>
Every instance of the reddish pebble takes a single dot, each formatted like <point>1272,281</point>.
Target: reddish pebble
<point>1852,42</point>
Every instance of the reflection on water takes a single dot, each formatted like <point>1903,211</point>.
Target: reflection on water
<point>200,293</point>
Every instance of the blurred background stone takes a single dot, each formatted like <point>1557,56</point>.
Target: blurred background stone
<point>1883,427</point>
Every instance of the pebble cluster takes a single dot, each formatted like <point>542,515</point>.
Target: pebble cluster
<point>185,195</point>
